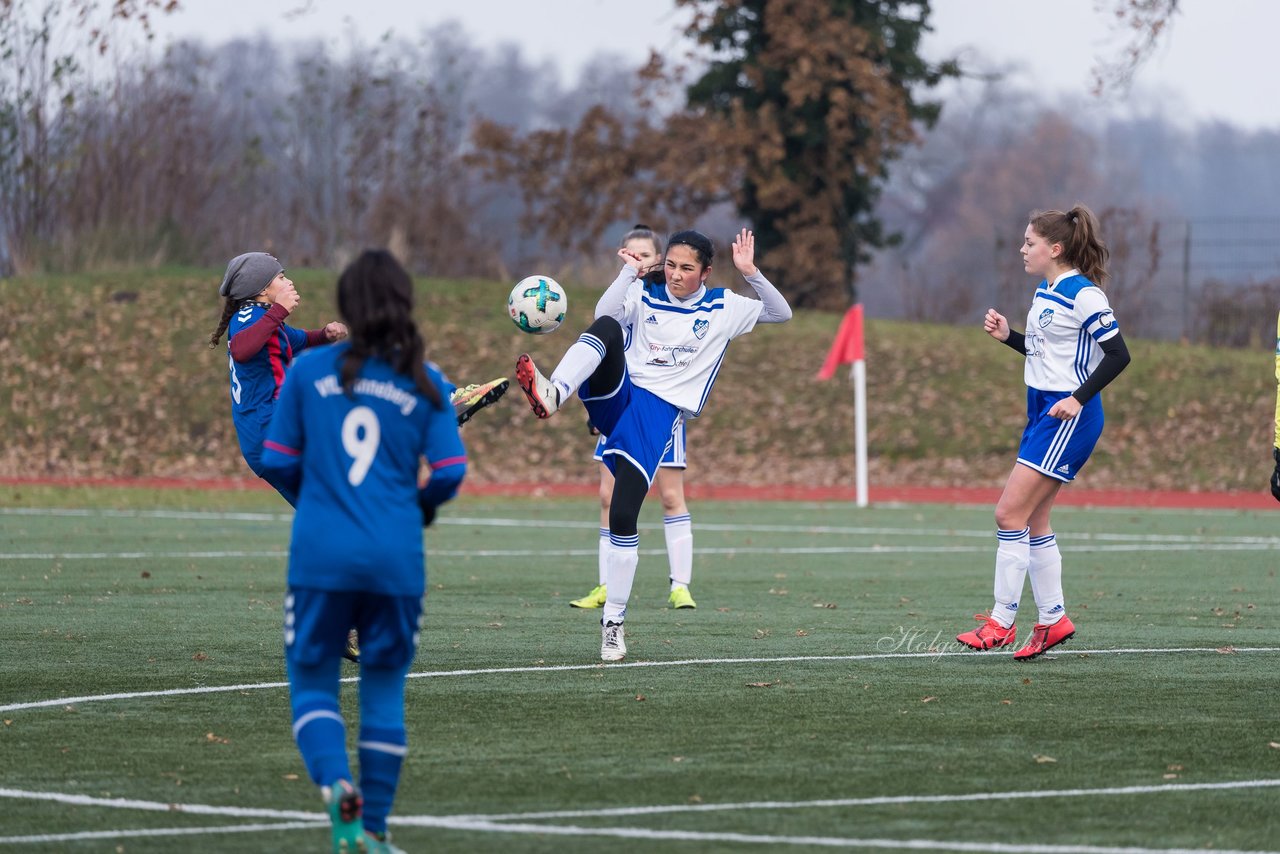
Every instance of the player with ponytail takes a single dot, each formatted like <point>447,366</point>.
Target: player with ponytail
<point>1072,349</point>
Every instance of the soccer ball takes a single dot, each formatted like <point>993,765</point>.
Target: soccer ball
<point>537,304</point>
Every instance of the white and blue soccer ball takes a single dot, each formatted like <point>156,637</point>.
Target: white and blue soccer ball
<point>537,304</point>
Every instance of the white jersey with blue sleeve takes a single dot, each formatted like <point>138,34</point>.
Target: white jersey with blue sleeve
<point>1067,321</point>
<point>676,346</point>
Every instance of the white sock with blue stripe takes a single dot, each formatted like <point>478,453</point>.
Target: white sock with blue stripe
<point>679,531</point>
<point>1046,579</point>
<point>603,563</point>
<point>624,554</point>
<point>1013,556</point>
<point>579,362</point>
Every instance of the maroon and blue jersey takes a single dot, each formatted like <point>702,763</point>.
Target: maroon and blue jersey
<point>256,378</point>
<point>354,461</point>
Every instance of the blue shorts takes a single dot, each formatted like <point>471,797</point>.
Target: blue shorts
<point>673,459</point>
<point>639,425</point>
<point>316,623</point>
<point>1055,448</point>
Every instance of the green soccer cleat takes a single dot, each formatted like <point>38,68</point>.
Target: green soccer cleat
<point>376,844</point>
<point>594,599</point>
<point>352,652</point>
<point>469,400</point>
<point>345,807</point>
<point>680,597</point>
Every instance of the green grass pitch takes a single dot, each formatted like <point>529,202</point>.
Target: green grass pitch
<point>814,700</point>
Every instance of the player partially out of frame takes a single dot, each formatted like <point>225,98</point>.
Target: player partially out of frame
<point>1275,449</point>
<point>352,422</point>
<point>677,523</point>
<point>638,395</point>
<point>1072,350</point>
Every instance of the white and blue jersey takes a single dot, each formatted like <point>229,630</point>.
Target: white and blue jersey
<point>1068,319</point>
<point>676,346</point>
<point>358,525</point>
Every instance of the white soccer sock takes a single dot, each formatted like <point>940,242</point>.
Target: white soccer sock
<point>679,531</point>
<point>604,555</point>
<point>578,363</point>
<point>624,554</point>
<point>1046,579</point>
<point>1013,555</point>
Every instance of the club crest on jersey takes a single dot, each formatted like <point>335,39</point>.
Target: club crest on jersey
<point>700,328</point>
<point>653,318</point>
<point>1046,317</point>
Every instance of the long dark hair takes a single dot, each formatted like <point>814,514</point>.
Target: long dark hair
<point>1079,233</point>
<point>229,307</point>
<point>375,297</point>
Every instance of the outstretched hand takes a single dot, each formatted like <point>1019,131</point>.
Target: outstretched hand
<point>335,331</point>
<point>744,253</point>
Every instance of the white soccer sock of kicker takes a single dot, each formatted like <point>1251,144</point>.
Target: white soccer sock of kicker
<point>624,554</point>
<point>1046,579</point>
<point>578,363</point>
<point>1013,556</point>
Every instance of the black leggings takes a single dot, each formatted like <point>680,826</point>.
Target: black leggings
<point>629,483</point>
<point>608,374</point>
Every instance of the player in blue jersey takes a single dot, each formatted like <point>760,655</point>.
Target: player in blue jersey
<point>639,388</point>
<point>352,422</point>
<point>677,523</point>
<point>1073,349</point>
<point>257,298</point>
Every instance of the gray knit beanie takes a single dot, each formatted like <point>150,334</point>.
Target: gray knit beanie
<point>249,274</point>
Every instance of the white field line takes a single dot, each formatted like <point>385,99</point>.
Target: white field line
<point>885,800</point>
<point>561,668</point>
<point>499,824</point>
<point>84,835</point>
<point>483,522</point>
<point>729,550</point>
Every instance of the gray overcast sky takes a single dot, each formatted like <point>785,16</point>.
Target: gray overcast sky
<point>1210,66</point>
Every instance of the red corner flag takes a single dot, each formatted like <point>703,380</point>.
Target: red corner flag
<point>848,344</point>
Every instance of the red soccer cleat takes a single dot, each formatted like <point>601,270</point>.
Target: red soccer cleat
<point>989,635</point>
<point>542,395</point>
<point>1045,638</point>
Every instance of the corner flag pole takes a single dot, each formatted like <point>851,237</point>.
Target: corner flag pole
<point>858,373</point>
<point>847,348</point>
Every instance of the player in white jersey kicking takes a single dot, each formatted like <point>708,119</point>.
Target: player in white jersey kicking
<point>638,389</point>
<point>677,523</point>
<point>1073,348</point>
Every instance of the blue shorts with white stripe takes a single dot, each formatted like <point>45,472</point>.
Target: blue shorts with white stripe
<point>1056,448</point>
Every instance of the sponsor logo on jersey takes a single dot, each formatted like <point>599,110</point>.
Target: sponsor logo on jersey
<point>1106,320</point>
<point>653,318</point>
<point>700,328</point>
<point>1046,317</point>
